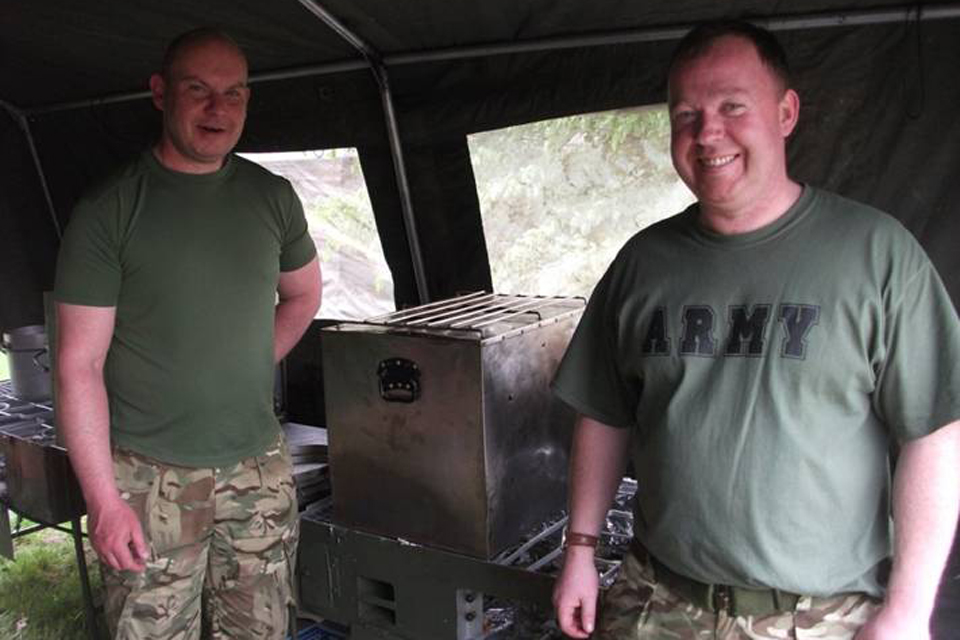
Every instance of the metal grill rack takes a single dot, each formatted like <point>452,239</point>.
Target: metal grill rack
<point>493,316</point>
<point>543,553</point>
<point>25,420</point>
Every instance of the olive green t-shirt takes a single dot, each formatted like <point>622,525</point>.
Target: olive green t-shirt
<point>766,376</point>
<point>191,263</point>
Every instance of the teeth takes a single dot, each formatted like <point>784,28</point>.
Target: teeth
<point>719,161</point>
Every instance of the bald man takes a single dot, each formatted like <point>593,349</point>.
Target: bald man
<point>181,282</point>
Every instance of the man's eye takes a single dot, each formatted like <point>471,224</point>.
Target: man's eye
<point>734,108</point>
<point>235,96</point>
<point>196,88</point>
<point>683,117</point>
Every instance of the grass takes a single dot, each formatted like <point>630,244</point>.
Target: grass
<point>40,595</point>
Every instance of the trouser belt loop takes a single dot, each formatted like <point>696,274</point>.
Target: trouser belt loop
<point>259,469</point>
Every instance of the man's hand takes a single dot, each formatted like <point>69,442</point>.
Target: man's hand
<point>575,593</point>
<point>887,624</point>
<point>117,537</point>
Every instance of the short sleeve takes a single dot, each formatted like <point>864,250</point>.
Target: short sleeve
<point>298,248</point>
<point>918,387</point>
<point>89,263</point>
<point>589,377</point>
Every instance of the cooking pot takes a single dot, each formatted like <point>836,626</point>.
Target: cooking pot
<point>29,359</point>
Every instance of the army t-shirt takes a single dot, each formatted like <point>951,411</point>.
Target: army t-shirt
<point>766,376</point>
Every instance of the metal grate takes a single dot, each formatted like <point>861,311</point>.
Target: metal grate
<point>542,551</point>
<point>486,314</point>
<point>23,419</point>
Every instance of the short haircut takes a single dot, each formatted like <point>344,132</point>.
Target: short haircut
<point>699,40</point>
<point>192,38</point>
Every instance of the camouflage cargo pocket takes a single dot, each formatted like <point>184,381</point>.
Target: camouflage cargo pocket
<point>174,504</point>
<point>254,548</point>
<point>258,499</point>
<point>625,607</point>
<point>835,618</point>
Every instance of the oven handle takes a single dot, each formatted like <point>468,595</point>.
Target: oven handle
<point>399,380</point>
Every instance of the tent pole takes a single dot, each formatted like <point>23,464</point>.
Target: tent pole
<point>21,120</point>
<point>375,62</point>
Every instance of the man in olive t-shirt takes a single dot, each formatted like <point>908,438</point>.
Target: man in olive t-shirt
<point>759,355</point>
<point>181,282</point>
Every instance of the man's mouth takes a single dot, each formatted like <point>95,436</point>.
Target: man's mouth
<point>717,161</point>
<point>211,128</point>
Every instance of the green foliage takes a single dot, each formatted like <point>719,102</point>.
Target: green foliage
<point>4,368</point>
<point>560,197</point>
<point>609,130</point>
<point>40,595</point>
<point>349,214</point>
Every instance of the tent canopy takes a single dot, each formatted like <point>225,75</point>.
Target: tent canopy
<point>876,79</point>
<point>57,52</point>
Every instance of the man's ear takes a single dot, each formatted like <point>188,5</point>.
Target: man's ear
<point>157,88</point>
<point>789,112</point>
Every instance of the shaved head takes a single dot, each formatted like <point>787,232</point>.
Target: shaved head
<point>191,39</point>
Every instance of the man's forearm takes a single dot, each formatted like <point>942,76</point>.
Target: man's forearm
<point>599,458</point>
<point>292,317</point>
<point>926,499</point>
<point>83,420</point>
<point>299,292</point>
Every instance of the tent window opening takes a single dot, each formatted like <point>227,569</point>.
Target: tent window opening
<point>560,197</point>
<point>356,280</point>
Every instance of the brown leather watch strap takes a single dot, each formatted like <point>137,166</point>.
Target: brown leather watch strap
<point>572,539</point>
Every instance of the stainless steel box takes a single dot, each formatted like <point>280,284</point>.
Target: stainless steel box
<point>442,428</point>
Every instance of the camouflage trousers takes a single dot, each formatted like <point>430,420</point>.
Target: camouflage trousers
<point>222,550</point>
<point>638,607</point>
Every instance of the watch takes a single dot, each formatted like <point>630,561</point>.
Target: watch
<point>574,539</point>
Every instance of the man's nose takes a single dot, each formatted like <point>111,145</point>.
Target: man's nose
<point>709,127</point>
<point>216,103</point>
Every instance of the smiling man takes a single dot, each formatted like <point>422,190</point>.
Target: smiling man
<point>759,355</point>
<point>181,282</point>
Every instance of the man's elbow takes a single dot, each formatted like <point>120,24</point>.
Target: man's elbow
<point>74,366</point>
<point>307,301</point>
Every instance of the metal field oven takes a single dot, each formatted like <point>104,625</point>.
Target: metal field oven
<point>442,427</point>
